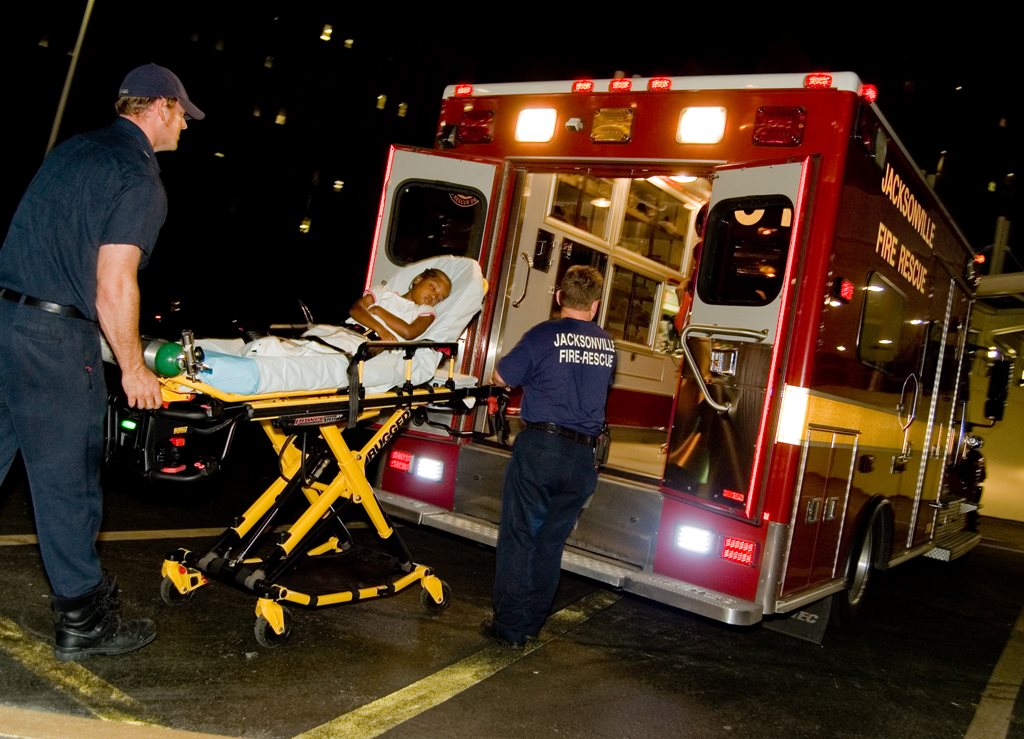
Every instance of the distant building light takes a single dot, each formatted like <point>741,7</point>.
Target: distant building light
<point>382,100</point>
<point>991,187</point>
<point>282,117</point>
<point>403,108</point>
<point>219,46</point>
<point>349,43</point>
<point>218,154</point>
<point>325,34</point>
<point>256,112</point>
<point>338,185</point>
<point>268,62</point>
<point>304,226</point>
<point>44,42</point>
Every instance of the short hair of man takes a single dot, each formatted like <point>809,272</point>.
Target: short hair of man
<point>137,105</point>
<point>581,286</point>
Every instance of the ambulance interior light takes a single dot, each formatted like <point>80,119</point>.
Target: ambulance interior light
<point>701,125</point>
<point>694,539</point>
<point>536,125</point>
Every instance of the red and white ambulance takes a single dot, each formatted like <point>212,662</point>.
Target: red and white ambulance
<point>804,425</point>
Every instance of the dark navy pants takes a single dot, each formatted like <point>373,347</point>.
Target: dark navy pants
<point>547,482</point>
<point>52,403</point>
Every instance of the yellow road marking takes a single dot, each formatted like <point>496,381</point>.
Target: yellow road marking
<point>97,696</point>
<point>373,719</point>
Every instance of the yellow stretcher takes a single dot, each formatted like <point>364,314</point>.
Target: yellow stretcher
<point>257,553</point>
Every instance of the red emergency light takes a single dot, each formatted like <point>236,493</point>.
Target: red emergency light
<point>979,258</point>
<point>842,290</point>
<point>818,80</point>
<point>739,551</point>
<point>869,92</point>
<point>779,125</point>
<point>659,84</point>
<point>401,461</point>
<point>477,127</point>
<point>583,86</point>
<point>620,85</point>
<point>463,90</point>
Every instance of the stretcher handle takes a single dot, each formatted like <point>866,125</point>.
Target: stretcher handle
<point>193,412</point>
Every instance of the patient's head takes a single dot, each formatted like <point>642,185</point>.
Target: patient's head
<point>429,287</point>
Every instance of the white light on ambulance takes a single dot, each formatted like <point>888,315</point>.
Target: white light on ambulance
<point>429,469</point>
<point>682,179</point>
<point>536,125</point>
<point>793,418</point>
<point>701,126</point>
<point>694,539</point>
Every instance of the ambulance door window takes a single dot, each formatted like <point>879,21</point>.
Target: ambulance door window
<point>880,339</point>
<point>571,254</point>
<point>583,201</point>
<point>745,250</point>
<point>434,219</point>
<point>631,303</point>
<point>656,223</point>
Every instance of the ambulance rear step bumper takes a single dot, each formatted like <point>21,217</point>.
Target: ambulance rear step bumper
<point>685,596</point>
<point>955,546</point>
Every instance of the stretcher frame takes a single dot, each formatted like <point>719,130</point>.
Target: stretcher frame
<point>319,529</point>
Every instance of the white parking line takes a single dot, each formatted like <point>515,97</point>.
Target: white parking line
<point>373,719</point>
<point>11,540</point>
<point>995,709</point>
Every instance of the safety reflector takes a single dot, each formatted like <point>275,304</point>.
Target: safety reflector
<point>583,86</point>
<point>818,80</point>
<point>659,84</point>
<point>620,84</point>
<point>477,127</point>
<point>463,90</point>
<point>740,551</point>
<point>612,126</point>
<point>779,125</point>
<point>869,93</point>
<point>399,460</point>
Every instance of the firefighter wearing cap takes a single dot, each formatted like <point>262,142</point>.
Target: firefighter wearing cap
<point>87,223</point>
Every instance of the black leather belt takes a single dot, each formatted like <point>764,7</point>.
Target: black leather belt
<point>63,310</point>
<point>554,428</point>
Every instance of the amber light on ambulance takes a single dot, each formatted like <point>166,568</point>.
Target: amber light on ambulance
<point>536,125</point>
<point>701,126</point>
<point>793,418</point>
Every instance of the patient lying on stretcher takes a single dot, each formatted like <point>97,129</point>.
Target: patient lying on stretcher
<point>444,293</point>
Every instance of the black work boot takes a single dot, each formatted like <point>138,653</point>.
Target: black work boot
<point>91,624</point>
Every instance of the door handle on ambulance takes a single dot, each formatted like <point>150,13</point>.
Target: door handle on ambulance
<point>746,333</point>
<point>526,282</point>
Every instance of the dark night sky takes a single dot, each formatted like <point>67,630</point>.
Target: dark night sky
<point>238,186</point>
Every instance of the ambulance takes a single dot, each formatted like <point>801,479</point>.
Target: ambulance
<point>802,424</point>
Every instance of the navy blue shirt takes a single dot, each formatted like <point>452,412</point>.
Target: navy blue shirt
<point>101,187</point>
<point>564,367</point>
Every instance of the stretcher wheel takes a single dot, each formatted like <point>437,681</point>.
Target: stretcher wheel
<point>265,634</point>
<point>169,593</point>
<point>428,602</point>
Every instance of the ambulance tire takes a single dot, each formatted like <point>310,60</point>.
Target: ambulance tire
<point>848,603</point>
<point>265,634</point>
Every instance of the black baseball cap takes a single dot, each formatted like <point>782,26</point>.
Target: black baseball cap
<point>154,81</point>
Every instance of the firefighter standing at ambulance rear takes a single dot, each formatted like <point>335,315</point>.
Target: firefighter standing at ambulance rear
<point>564,367</point>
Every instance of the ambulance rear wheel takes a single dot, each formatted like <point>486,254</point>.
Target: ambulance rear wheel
<point>848,603</point>
<point>428,602</point>
<point>265,634</point>
<point>170,595</point>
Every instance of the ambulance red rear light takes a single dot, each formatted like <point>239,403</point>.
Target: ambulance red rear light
<point>463,90</point>
<point>818,80</point>
<point>477,127</point>
<point>779,125</point>
<point>620,85</point>
<point>659,84</point>
<point>738,550</point>
<point>869,93</point>
<point>399,460</point>
<point>178,441</point>
<point>583,86</point>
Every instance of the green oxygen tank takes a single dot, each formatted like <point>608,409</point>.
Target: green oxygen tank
<point>166,358</point>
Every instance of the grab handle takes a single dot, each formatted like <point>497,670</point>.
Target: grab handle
<point>526,282</point>
<point>746,333</point>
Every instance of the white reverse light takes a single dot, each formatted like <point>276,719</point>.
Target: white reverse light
<point>429,469</point>
<point>693,539</point>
